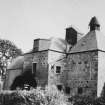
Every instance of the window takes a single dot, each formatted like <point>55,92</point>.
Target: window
<point>59,87</point>
<point>58,69</point>
<point>34,68</point>
<point>80,90</point>
<point>67,90</point>
<point>85,62</point>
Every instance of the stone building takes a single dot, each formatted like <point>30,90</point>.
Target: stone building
<point>74,64</point>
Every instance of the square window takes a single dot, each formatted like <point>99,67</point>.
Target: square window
<point>58,69</point>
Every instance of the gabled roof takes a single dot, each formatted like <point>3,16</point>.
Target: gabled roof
<point>94,40</point>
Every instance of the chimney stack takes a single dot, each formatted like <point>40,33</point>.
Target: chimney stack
<point>71,36</point>
<point>94,24</point>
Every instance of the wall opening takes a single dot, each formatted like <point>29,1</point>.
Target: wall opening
<point>34,67</point>
<point>80,90</point>
<point>23,81</point>
<point>59,87</point>
<point>67,90</point>
<point>58,69</point>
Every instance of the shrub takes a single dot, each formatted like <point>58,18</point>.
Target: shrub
<point>82,100</point>
<point>47,96</point>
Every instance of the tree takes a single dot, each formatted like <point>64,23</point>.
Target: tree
<point>8,51</point>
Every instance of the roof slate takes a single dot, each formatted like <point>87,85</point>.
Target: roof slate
<point>94,40</point>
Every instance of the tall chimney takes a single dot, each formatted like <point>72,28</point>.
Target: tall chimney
<point>71,36</point>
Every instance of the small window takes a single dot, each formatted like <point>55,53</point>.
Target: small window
<point>80,90</point>
<point>85,62</point>
<point>58,69</point>
<point>59,87</point>
<point>34,66</point>
<point>67,90</point>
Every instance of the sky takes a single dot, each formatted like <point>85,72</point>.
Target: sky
<point>22,21</point>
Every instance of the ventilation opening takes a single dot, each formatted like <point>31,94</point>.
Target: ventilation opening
<point>34,67</point>
<point>80,90</point>
<point>67,90</point>
<point>24,81</point>
<point>59,87</point>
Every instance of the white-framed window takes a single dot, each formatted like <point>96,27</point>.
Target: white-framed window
<point>58,69</point>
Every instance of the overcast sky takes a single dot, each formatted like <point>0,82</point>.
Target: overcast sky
<point>21,21</point>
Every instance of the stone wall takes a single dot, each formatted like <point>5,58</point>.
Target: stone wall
<point>41,60</point>
<point>55,59</point>
<point>101,72</point>
<point>56,77</point>
<point>78,70</point>
<point>83,68</point>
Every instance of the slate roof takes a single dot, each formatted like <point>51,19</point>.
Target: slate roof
<point>94,40</point>
<point>58,44</point>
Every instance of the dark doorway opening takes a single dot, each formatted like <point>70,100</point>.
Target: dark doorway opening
<point>26,79</point>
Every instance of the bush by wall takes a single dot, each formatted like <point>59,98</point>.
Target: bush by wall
<point>47,96</point>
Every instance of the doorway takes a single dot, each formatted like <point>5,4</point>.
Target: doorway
<point>34,67</point>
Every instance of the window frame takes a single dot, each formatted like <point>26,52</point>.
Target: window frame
<point>58,69</point>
